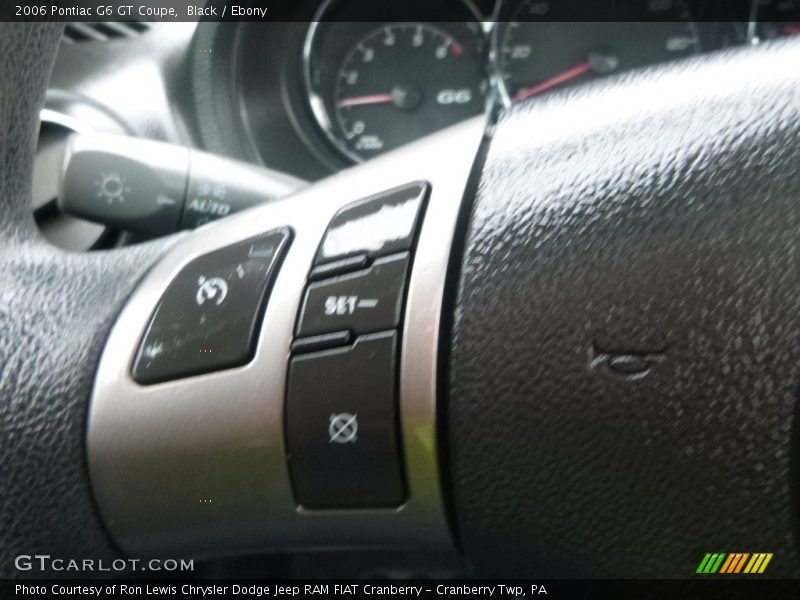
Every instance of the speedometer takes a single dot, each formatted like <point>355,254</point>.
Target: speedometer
<point>547,45</point>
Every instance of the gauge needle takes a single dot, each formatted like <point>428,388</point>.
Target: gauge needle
<point>572,73</point>
<point>359,100</point>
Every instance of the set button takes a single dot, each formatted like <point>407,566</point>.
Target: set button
<point>342,426</point>
<point>365,301</point>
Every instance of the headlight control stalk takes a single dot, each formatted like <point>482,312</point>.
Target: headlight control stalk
<point>155,188</point>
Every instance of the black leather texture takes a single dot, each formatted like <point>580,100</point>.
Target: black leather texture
<point>56,309</point>
<point>623,375</point>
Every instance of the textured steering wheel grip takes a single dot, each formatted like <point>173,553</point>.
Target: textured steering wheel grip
<point>625,356</point>
<point>56,309</point>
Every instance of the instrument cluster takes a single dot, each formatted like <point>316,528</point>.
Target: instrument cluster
<point>375,85</point>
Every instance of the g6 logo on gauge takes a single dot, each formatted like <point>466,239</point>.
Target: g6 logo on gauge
<point>463,96</point>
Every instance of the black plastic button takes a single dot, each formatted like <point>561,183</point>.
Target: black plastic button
<point>207,319</point>
<point>365,301</point>
<point>379,225</point>
<point>341,426</point>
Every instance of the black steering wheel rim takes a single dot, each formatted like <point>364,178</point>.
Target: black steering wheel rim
<point>55,311</point>
<point>624,361</point>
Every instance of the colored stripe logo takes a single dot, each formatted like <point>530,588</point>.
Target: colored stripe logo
<point>733,563</point>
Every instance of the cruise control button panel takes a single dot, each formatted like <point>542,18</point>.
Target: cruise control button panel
<point>208,318</point>
<point>341,403</point>
<point>342,432</point>
<point>379,225</point>
<point>367,300</point>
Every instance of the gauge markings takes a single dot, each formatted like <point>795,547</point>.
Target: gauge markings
<point>379,86</point>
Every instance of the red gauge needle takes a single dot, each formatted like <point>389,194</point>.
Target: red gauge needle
<point>359,100</point>
<point>572,73</point>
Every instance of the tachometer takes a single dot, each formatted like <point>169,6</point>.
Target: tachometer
<point>382,74</point>
<point>547,44</point>
<point>404,81</point>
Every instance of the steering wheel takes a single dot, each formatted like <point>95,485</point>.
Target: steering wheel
<point>588,366</point>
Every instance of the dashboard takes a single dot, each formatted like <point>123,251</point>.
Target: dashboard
<point>333,88</point>
<point>314,96</point>
<point>363,87</point>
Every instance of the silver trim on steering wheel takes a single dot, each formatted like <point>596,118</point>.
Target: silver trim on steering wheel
<point>156,451</point>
